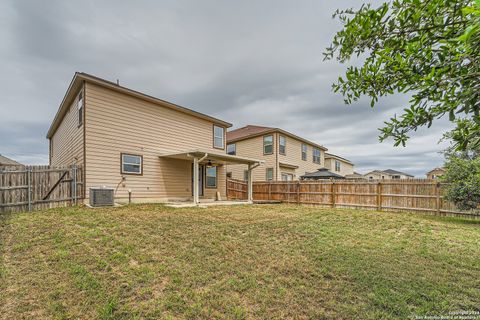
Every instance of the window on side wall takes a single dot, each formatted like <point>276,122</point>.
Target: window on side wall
<point>267,144</point>
<point>218,137</point>
<point>232,149</point>
<point>269,174</point>
<point>131,164</point>
<point>245,175</point>
<point>80,108</point>
<point>282,146</point>
<point>316,155</point>
<point>211,177</point>
<point>304,152</point>
<point>337,165</point>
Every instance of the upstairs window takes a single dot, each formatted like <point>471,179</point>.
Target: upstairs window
<point>267,144</point>
<point>269,174</point>
<point>211,174</point>
<point>316,155</point>
<point>337,165</point>
<point>282,144</point>
<point>80,108</point>
<point>304,152</point>
<point>232,149</point>
<point>218,137</point>
<point>131,164</point>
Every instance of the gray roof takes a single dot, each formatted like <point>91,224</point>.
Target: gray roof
<point>8,162</point>
<point>323,173</point>
<point>331,155</point>
<point>393,172</point>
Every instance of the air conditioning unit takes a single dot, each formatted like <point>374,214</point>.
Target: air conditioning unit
<point>101,197</point>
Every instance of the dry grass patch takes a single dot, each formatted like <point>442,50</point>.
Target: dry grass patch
<point>148,261</point>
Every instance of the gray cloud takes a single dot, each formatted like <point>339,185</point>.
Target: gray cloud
<point>248,62</point>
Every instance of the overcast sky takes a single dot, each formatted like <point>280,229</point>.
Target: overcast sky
<point>246,62</point>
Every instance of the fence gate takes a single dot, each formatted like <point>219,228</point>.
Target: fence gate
<point>28,188</point>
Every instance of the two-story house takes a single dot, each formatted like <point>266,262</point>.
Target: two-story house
<point>286,156</point>
<point>338,165</point>
<point>130,141</point>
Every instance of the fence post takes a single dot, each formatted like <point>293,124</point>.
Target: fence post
<point>269,190</point>
<point>29,189</point>
<point>298,192</point>
<point>379,196</point>
<point>74,189</point>
<point>333,193</point>
<point>437,194</point>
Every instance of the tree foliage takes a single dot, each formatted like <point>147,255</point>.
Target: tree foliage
<point>464,178</point>
<point>429,49</point>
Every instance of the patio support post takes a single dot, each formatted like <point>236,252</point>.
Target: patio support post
<point>196,198</point>
<point>250,184</point>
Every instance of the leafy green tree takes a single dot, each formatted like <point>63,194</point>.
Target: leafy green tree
<point>469,151</point>
<point>429,49</point>
<point>464,178</point>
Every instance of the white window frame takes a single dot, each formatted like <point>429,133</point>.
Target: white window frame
<point>269,144</point>
<point>337,166</point>
<point>304,152</point>
<point>234,145</point>
<point>80,108</point>
<point>123,163</point>
<point>210,176</point>
<point>215,137</point>
<point>315,157</point>
<point>280,145</point>
<point>267,170</point>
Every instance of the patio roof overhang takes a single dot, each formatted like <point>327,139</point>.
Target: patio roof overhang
<point>201,156</point>
<point>206,155</point>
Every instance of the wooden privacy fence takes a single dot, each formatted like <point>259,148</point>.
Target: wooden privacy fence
<point>29,188</point>
<point>410,195</point>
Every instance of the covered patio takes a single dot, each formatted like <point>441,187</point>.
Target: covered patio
<point>204,157</point>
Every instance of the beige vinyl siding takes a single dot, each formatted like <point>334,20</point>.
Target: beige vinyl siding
<point>119,123</point>
<point>253,148</point>
<point>66,145</point>
<point>293,156</point>
<point>345,167</point>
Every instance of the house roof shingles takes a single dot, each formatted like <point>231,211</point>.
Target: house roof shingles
<point>251,131</point>
<point>390,172</point>
<point>78,80</point>
<point>323,173</point>
<point>331,155</point>
<point>8,162</point>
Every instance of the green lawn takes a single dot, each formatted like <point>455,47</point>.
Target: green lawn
<point>242,262</point>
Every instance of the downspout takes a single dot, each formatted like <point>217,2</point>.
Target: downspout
<point>203,158</point>
<point>250,182</point>
<point>195,177</point>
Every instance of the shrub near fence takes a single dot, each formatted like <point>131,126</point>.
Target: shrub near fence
<point>28,188</point>
<point>409,195</point>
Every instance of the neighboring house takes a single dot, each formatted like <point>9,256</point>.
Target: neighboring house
<point>387,175</point>
<point>128,140</point>
<point>321,174</point>
<point>8,163</point>
<point>435,173</point>
<point>338,165</point>
<point>287,156</point>
<point>355,175</point>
